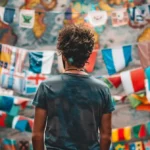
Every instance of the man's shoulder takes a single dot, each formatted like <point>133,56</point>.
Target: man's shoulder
<point>99,83</point>
<point>53,79</point>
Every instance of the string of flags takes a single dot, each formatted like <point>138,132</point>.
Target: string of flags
<point>139,145</point>
<point>128,133</point>
<point>6,143</point>
<point>24,124</point>
<point>14,77</point>
<point>137,16</point>
<point>20,123</point>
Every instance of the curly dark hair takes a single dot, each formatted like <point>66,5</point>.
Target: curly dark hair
<point>76,43</point>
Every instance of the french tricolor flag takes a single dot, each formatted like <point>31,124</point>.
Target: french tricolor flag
<point>117,59</point>
<point>133,81</point>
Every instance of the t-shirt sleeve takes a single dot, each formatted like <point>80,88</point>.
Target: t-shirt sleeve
<point>40,97</point>
<point>109,105</point>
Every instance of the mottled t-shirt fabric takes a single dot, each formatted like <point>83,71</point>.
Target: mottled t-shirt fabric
<point>75,104</point>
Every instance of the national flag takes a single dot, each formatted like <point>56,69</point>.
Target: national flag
<point>12,80</point>
<point>133,101</point>
<point>12,57</point>
<point>3,117</point>
<point>121,134</point>
<point>22,102</point>
<point>7,14</point>
<point>36,79</point>
<point>9,144</point>
<point>130,80</point>
<point>6,103</point>
<point>147,145</point>
<point>139,131</point>
<point>26,18</point>
<point>5,56</point>
<point>22,124</point>
<point>117,59</point>
<point>97,18</point>
<point>18,58</point>
<point>119,17</point>
<point>121,146</point>
<point>6,92</point>
<point>89,66</point>
<point>30,89</point>
<point>9,121</point>
<point>137,146</point>
<point>144,54</point>
<point>41,62</point>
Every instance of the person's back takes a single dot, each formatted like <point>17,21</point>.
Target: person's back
<point>74,105</point>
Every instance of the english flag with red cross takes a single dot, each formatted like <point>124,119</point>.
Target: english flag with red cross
<point>35,79</point>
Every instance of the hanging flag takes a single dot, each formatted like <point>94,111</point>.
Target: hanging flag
<point>147,145</point>
<point>26,18</point>
<point>22,102</point>
<point>89,66</point>
<point>139,131</point>
<point>3,117</point>
<point>143,107</point>
<point>41,62</point>
<point>5,56</point>
<point>148,128</point>
<point>130,80</point>
<point>6,92</point>
<point>18,58</point>
<point>9,144</point>
<point>6,103</point>
<point>35,79</point>
<point>119,17</point>
<point>12,57</point>
<point>97,18</point>
<point>136,146</point>
<point>7,15</point>
<point>121,146</point>
<point>115,80</point>
<point>121,134</point>
<point>30,90</point>
<point>139,15</point>
<point>22,124</point>
<point>144,54</point>
<point>12,80</point>
<point>133,101</point>
<point>117,59</point>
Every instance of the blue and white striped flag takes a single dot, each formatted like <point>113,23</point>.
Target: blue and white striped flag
<point>117,59</point>
<point>41,62</point>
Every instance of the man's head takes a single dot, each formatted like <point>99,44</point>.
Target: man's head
<point>75,43</point>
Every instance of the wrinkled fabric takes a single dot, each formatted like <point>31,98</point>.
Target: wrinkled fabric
<point>75,105</point>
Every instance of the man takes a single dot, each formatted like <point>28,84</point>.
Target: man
<point>73,106</point>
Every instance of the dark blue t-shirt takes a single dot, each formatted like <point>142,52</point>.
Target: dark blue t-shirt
<point>75,105</point>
